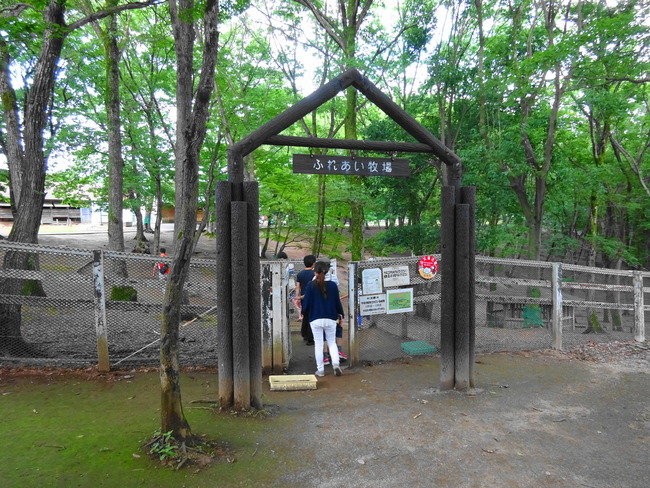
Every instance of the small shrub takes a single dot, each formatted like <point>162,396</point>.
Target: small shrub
<point>163,446</point>
<point>124,294</point>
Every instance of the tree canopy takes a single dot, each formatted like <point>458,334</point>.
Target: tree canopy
<point>546,101</point>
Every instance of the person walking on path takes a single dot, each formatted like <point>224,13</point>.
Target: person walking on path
<point>303,278</point>
<point>322,303</point>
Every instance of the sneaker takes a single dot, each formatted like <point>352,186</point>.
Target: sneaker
<point>310,343</point>
<point>320,372</point>
<point>337,371</point>
<point>326,359</point>
<point>342,355</point>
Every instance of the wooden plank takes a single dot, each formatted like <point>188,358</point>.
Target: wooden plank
<point>462,295</point>
<point>350,166</point>
<point>468,196</point>
<point>293,382</point>
<point>251,196</point>
<point>408,123</point>
<point>353,144</point>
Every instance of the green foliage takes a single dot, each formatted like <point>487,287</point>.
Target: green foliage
<point>594,323</point>
<point>404,239</point>
<point>33,288</point>
<point>124,294</point>
<point>163,446</point>
<point>598,153</point>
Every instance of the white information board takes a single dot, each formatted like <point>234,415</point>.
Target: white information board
<point>372,304</point>
<point>396,276</point>
<point>371,281</point>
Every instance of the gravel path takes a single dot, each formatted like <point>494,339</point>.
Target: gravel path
<point>535,419</point>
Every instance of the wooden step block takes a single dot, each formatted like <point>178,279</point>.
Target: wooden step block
<point>290,382</point>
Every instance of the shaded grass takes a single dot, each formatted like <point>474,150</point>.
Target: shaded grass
<point>71,432</point>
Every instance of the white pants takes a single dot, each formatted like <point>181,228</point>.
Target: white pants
<point>317,328</point>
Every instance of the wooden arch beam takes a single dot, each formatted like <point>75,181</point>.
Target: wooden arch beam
<point>269,132</point>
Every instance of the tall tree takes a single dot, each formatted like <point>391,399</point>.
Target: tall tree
<point>108,37</point>
<point>26,125</point>
<point>193,103</point>
<point>343,27</point>
<point>149,80</point>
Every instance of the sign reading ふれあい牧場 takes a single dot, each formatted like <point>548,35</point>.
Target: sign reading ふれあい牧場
<point>353,166</point>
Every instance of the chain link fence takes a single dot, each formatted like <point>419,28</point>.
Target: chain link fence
<point>52,314</point>
<point>514,308</point>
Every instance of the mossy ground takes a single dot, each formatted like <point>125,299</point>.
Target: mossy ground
<point>89,430</point>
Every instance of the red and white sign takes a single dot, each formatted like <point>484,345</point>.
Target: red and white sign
<point>428,267</point>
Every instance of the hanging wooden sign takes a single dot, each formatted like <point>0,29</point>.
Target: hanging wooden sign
<point>346,165</point>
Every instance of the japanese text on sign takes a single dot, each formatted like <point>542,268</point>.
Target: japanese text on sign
<point>396,276</point>
<point>371,281</point>
<point>344,165</point>
<point>372,304</point>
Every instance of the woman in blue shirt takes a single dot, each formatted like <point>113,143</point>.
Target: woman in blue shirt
<point>323,305</point>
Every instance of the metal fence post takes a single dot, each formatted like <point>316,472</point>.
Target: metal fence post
<point>100,311</point>
<point>639,312</point>
<point>556,311</point>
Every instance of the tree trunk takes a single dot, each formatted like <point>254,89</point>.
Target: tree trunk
<point>317,245</point>
<point>351,16</point>
<point>158,223</point>
<point>27,163</point>
<point>190,134</point>
<point>115,159</point>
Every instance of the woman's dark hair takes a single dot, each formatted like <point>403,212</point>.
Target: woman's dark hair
<point>321,268</point>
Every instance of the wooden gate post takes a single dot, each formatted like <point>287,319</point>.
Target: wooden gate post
<point>223,198</point>
<point>556,310</point>
<point>639,307</point>
<point>353,311</point>
<point>240,332</point>
<point>447,293</point>
<point>239,311</point>
<point>458,321</point>
<point>462,310</point>
<point>468,196</point>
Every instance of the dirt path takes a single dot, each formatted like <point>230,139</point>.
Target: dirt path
<point>535,420</point>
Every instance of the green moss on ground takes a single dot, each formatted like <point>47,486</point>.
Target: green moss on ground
<point>64,431</point>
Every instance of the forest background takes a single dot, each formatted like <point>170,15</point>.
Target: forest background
<point>546,102</point>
